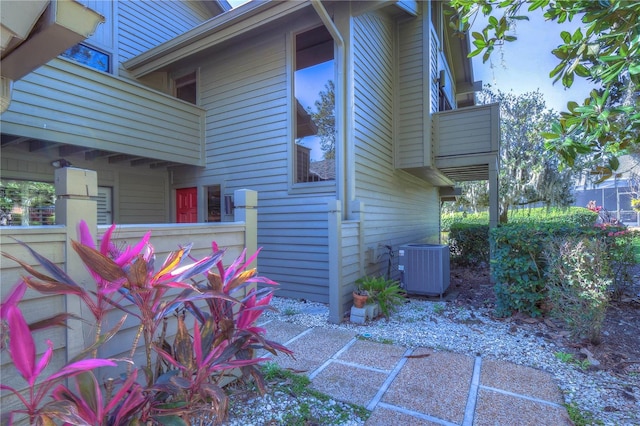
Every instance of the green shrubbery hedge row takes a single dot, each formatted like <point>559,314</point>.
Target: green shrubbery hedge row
<point>555,261</point>
<point>468,233</point>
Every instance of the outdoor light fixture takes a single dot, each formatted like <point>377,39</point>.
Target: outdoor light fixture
<point>60,163</point>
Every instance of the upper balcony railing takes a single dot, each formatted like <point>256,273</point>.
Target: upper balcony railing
<point>67,103</point>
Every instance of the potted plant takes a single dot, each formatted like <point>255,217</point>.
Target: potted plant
<point>387,293</point>
<point>360,297</point>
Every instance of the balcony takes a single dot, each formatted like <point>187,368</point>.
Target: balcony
<point>466,142</point>
<point>79,109</point>
<point>464,146</point>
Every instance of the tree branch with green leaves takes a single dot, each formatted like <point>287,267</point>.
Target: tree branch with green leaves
<point>605,50</point>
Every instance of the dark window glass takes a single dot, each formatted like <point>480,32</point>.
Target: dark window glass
<point>186,88</point>
<point>88,56</point>
<point>214,213</point>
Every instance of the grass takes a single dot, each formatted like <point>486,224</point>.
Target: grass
<point>580,417</point>
<point>570,359</point>
<point>287,382</point>
<point>438,308</point>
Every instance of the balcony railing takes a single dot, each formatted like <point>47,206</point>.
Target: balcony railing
<point>67,103</point>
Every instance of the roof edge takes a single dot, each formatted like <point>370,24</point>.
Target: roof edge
<point>227,25</point>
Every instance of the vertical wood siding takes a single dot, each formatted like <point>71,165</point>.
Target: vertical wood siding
<point>398,207</point>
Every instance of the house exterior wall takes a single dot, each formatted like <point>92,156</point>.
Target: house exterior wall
<point>163,20</point>
<point>59,103</point>
<point>249,145</point>
<point>399,208</point>
<point>245,95</point>
<point>410,149</point>
<point>140,194</point>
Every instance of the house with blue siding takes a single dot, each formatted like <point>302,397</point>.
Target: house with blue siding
<point>351,119</point>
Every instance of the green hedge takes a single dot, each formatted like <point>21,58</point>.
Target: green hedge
<point>468,233</point>
<point>469,243</point>
<point>449,219</point>
<point>519,265</point>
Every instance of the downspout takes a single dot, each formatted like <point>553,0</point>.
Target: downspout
<point>343,192</point>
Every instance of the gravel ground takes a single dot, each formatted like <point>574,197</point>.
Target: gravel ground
<point>611,400</point>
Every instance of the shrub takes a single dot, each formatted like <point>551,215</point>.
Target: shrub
<point>522,251</point>
<point>619,254</point>
<point>469,243</point>
<point>449,219</point>
<point>578,281</point>
<point>386,292</point>
<point>183,382</point>
<point>577,216</point>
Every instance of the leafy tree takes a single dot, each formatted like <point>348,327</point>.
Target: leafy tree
<point>528,173</point>
<point>474,197</point>
<point>325,120</point>
<point>604,50</point>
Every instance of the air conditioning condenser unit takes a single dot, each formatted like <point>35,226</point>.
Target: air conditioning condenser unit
<point>425,268</point>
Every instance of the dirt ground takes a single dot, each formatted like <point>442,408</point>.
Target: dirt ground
<point>619,351</point>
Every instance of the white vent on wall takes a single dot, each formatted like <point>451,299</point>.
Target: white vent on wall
<point>425,268</point>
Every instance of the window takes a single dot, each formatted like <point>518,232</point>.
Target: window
<point>89,56</point>
<point>443,102</point>
<point>27,203</point>
<point>314,92</point>
<point>214,210</point>
<point>186,88</point>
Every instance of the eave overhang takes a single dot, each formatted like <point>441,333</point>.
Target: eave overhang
<point>217,30</point>
<point>462,68</point>
<point>63,24</point>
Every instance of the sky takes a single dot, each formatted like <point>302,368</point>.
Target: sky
<point>524,65</point>
<point>520,66</point>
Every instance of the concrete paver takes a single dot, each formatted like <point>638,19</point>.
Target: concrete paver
<point>419,386</point>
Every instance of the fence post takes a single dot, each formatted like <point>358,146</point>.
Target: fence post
<point>245,210</point>
<point>76,192</point>
<point>336,308</point>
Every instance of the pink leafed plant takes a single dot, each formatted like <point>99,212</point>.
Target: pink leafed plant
<point>184,381</point>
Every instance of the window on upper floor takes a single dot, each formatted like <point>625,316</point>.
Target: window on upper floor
<point>443,101</point>
<point>89,56</point>
<point>186,87</point>
<point>314,104</point>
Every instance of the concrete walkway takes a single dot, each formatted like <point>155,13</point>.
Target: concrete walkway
<point>418,386</point>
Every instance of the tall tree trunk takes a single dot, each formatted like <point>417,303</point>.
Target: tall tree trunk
<point>504,213</point>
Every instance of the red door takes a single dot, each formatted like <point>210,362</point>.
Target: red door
<point>187,205</point>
